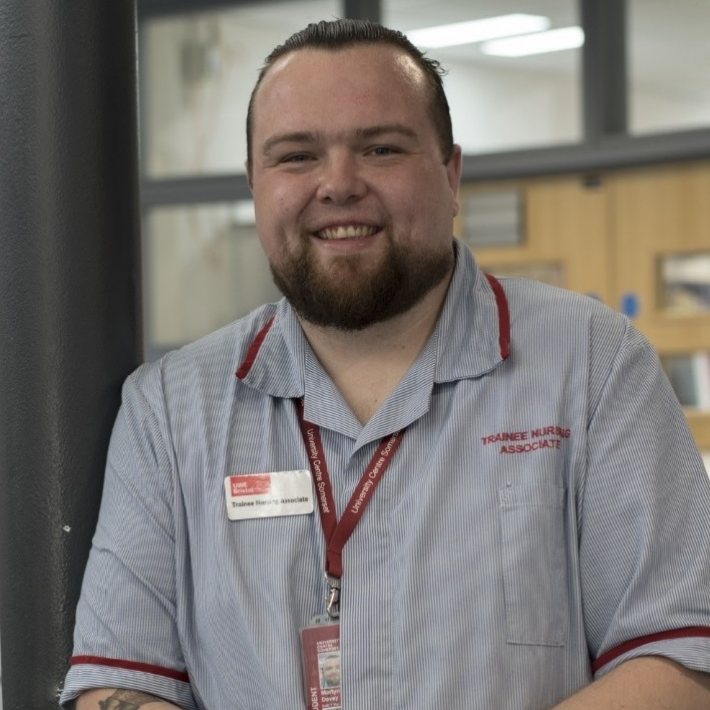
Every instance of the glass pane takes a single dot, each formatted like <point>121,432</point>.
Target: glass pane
<point>684,287</point>
<point>204,268</point>
<point>502,102</point>
<point>198,71</point>
<point>669,56</point>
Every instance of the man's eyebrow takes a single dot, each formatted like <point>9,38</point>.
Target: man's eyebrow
<point>361,134</point>
<point>296,137</point>
<point>389,128</point>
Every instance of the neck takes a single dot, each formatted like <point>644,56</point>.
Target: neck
<point>366,365</point>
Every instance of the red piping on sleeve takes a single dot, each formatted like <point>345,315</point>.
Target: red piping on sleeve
<point>253,351</point>
<point>689,632</point>
<point>130,666</point>
<point>503,316</point>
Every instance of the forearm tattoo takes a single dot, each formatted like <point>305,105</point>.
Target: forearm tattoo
<point>127,700</point>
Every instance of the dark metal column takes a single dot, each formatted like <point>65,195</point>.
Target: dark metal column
<point>604,68</point>
<point>69,310</point>
<point>363,10</point>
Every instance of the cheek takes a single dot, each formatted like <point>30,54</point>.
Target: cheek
<point>267,238</point>
<point>430,210</point>
<point>267,227</point>
<point>276,209</point>
<point>424,206</point>
<point>286,201</point>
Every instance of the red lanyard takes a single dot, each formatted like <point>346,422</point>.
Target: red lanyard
<point>337,533</point>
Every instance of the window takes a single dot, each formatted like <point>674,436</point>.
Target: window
<point>489,94</point>
<point>198,72</point>
<point>669,56</point>
<point>204,267</point>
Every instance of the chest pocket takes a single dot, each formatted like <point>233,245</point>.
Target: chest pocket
<point>534,564</point>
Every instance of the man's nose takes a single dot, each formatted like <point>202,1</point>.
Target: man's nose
<point>342,181</point>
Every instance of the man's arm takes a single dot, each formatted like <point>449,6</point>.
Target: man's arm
<point>105,699</point>
<point>647,683</point>
<point>126,611</point>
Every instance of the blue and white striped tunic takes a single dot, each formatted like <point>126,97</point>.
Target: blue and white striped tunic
<point>546,517</point>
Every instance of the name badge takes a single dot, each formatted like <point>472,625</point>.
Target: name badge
<point>268,495</point>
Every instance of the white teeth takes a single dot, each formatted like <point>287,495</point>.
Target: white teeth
<point>349,232</point>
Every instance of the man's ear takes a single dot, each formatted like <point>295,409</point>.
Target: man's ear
<point>247,167</point>
<point>453,171</point>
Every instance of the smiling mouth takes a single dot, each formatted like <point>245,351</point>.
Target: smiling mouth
<point>347,232</point>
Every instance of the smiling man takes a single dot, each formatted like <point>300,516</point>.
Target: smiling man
<point>463,492</point>
<point>357,207</point>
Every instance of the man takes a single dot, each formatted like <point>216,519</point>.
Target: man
<point>330,671</point>
<point>511,511</point>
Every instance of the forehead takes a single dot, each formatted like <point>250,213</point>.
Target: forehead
<point>310,83</point>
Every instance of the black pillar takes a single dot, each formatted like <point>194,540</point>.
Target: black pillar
<point>69,310</point>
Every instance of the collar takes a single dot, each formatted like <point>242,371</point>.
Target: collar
<point>474,324</point>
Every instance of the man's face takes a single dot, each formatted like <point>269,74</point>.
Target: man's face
<point>330,671</point>
<point>354,205</point>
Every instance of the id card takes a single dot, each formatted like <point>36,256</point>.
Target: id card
<point>320,651</point>
<point>267,495</point>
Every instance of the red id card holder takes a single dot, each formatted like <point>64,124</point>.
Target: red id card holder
<point>320,651</point>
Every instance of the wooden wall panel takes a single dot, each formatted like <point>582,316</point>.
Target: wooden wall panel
<point>656,213</point>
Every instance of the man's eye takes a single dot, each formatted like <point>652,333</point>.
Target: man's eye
<point>384,150</point>
<point>296,158</point>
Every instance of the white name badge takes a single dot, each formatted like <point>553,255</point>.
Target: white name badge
<point>268,495</point>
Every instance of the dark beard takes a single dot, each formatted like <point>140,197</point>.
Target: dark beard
<point>355,295</point>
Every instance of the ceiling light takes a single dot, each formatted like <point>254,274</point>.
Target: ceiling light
<point>538,43</point>
<point>477,30</point>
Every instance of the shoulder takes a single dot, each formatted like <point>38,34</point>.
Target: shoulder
<point>559,318</point>
<point>563,332</point>
<point>211,359</point>
<point>541,303</point>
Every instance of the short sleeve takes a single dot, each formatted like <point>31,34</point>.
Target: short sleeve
<point>644,514</point>
<point>126,632</point>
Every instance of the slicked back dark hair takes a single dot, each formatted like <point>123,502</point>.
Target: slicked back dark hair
<point>343,34</point>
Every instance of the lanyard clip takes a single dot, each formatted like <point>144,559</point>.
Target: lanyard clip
<point>332,597</point>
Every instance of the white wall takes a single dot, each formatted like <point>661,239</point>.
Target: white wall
<point>654,111</point>
<point>502,109</point>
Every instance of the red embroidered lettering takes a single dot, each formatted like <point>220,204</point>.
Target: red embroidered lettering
<point>547,437</point>
<point>505,436</point>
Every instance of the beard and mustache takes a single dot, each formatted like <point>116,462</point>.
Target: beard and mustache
<point>353,293</point>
